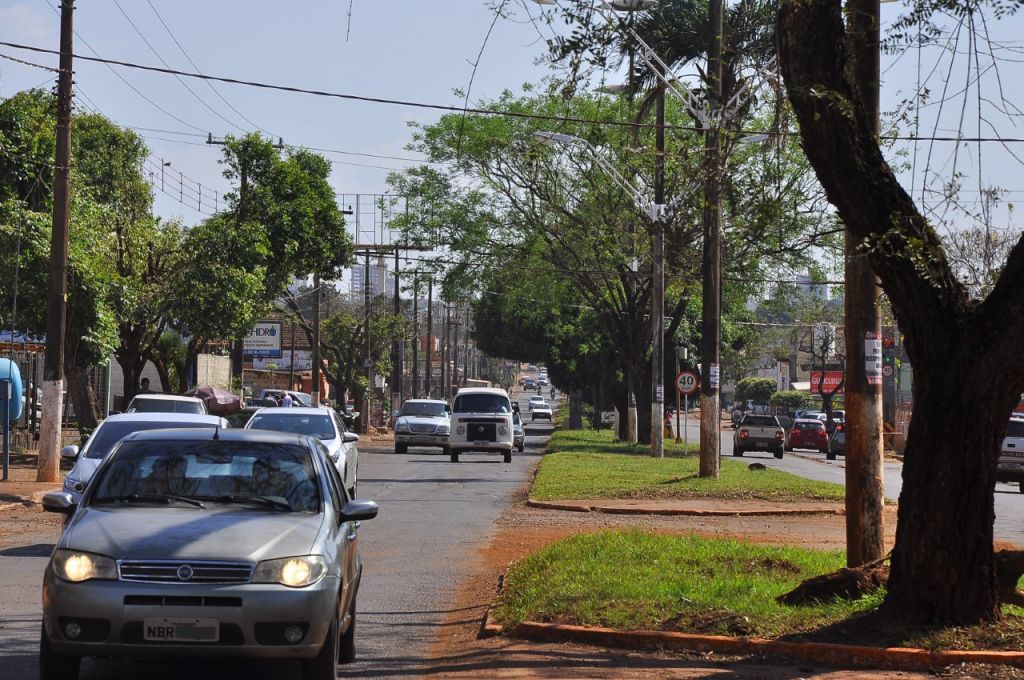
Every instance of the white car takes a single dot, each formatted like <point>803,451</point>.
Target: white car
<point>422,422</point>
<point>165,403</point>
<point>324,424</point>
<point>115,428</point>
<point>1011,456</point>
<point>534,400</point>
<point>481,421</point>
<point>542,410</point>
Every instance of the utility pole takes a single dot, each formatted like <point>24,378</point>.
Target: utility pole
<point>368,361</point>
<point>658,284</point>
<point>865,523</point>
<point>446,353</point>
<point>415,336</point>
<point>291,360</point>
<point>315,389</point>
<point>711,332</point>
<point>430,338</point>
<point>48,465</point>
<point>396,347</point>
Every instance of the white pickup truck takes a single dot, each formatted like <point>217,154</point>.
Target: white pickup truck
<point>1011,455</point>
<point>759,433</point>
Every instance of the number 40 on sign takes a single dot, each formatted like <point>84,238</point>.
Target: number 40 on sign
<point>687,382</point>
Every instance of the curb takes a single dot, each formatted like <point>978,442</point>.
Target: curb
<point>896,658</point>
<point>488,626</point>
<point>582,507</point>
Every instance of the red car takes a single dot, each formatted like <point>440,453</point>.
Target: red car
<point>807,433</point>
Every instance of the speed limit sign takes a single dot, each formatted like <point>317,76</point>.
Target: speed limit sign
<point>687,382</point>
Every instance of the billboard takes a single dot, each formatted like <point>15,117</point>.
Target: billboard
<point>264,340</point>
<point>303,361</point>
<point>832,380</point>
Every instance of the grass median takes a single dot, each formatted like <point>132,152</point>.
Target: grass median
<point>633,580</point>
<point>590,464</point>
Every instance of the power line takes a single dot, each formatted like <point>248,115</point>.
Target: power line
<point>164,62</point>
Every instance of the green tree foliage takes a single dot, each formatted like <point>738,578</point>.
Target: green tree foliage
<point>760,390</point>
<point>788,401</point>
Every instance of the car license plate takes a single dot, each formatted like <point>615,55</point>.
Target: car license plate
<point>180,630</point>
<point>761,445</point>
<point>1011,466</point>
<point>478,442</point>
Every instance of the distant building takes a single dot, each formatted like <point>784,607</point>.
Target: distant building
<point>811,288</point>
<point>380,282</point>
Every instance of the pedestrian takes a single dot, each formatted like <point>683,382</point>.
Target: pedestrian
<point>668,425</point>
<point>286,400</point>
<point>145,387</point>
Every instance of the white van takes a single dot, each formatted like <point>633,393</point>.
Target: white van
<point>481,420</point>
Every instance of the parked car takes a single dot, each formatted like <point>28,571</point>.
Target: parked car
<point>322,423</point>
<point>541,410</point>
<point>422,422</point>
<point>808,433</point>
<point>759,432</point>
<point>534,400</point>
<point>1011,456</point>
<point>481,420</point>
<point>518,433</point>
<point>165,403</point>
<point>240,418</point>
<point>837,442</point>
<point>298,398</point>
<point>112,430</point>
<point>187,544</point>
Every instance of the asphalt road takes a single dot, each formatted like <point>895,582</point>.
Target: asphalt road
<point>1009,502</point>
<point>434,514</point>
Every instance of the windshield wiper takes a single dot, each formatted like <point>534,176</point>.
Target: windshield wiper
<point>149,498</point>
<point>260,500</point>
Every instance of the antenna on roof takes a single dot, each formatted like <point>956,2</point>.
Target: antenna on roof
<point>216,432</point>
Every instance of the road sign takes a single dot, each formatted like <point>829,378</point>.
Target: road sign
<point>887,370</point>
<point>687,382</point>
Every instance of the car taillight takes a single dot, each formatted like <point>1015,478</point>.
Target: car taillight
<point>780,434</point>
<point>839,428</point>
<point>744,434</point>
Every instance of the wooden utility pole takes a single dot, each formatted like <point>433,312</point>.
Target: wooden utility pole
<point>711,332</point>
<point>48,465</point>
<point>865,523</point>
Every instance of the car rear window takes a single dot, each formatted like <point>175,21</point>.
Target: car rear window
<point>818,425</point>
<point>1015,429</point>
<point>110,433</point>
<point>316,425</point>
<point>144,405</point>
<point>760,421</point>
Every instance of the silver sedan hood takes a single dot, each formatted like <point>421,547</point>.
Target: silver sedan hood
<point>220,532</point>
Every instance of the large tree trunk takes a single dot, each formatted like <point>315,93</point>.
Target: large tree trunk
<point>968,370</point>
<point>82,396</point>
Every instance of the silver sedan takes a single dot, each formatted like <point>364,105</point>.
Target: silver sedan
<point>189,543</point>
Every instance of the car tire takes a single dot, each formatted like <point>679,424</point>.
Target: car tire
<point>825,451</point>
<point>347,646</point>
<point>779,454</point>
<point>54,666</point>
<point>830,455</point>
<point>737,452</point>
<point>454,456</point>
<point>324,666</point>
<point>1020,486</point>
<point>522,447</point>
<point>401,448</point>
<point>445,451</point>
<point>508,456</point>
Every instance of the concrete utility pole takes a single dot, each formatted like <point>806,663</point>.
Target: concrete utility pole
<point>368,361</point>
<point>415,336</point>
<point>315,389</point>
<point>48,465</point>
<point>710,408</point>
<point>446,352</point>
<point>430,338</point>
<point>396,346</point>
<point>658,294</point>
<point>865,523</point>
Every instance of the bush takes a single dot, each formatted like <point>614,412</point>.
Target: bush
<point>759,390</point>
<point>788,401</point>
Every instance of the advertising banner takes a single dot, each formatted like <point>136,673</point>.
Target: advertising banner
<point>832,380</point>
<point>264,340</point>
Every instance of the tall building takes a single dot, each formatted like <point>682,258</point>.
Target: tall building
<point>380,282</point>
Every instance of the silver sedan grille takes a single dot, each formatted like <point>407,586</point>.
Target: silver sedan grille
<point>184,571</point>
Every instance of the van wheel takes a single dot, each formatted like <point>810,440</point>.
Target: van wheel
<point>454,457</point>
<point>508,456</point>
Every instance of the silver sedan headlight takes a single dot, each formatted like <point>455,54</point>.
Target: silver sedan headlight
<point>77,566</point>
<point>294,572</point>
<point>443,429</point>
<point>402,425</point>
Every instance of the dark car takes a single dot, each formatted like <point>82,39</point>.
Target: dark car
<point>837,442</point>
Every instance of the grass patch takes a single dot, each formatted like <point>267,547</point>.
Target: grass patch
<point>633,580</point>
<point>589,464</point>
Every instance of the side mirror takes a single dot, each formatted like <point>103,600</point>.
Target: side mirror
<point>355,511</point>
<point>60,501</point>
<point>394,414</point>
<point>69,452</point>
<point>350,438</point>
